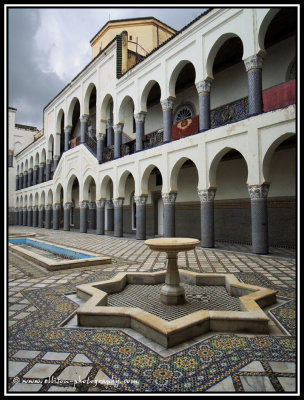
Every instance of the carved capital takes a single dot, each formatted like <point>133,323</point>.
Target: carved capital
<point>109,204</point>
<point>118,202</point>
<point>258,191</point>
<point>40,208</point>
<point>167,104</point>
<point>118,128</point>
<point>83,204</point>
<point>100,203</point>
<point>84,118</point>
<point>169,198</point>
<point>56,206</point>
<point>35,208</point>
<point>140,117</point>
<point>206,195</point>
<point>254,62</point>
<point>101,136</point>
<point>67,206</point>
<point>92,205</point>
<point>29,208</point>
<point>203,86</point>
<point>68,129</point>
<point>140,200</point>
<point>109,123</point>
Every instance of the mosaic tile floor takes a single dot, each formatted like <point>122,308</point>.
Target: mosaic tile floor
<point>47,354</point>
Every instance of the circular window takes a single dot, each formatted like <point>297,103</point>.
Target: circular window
<point>182,113</point>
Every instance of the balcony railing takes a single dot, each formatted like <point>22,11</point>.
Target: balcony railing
<point>229,113</point>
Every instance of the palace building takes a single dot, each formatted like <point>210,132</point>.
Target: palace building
<point>188,133</point>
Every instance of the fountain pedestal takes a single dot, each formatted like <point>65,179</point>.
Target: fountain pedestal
<point>172,292</point>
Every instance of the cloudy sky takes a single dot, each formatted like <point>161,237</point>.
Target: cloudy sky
<point>47,47</point>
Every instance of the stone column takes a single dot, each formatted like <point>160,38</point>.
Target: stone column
<point>100,146</point>
<point>203,89</point>
<point>83,127</point>
<point>118,216</point>
<point>24,179</point>
<point>140,217</point>
<point>92,215</point>
<point>35,174</point>
<point>259,217</point>
<point>41,172</point>
<point>20,181</point>
<point>20,216</point>
<point>100,216</point>
<point>207,216</point>
<point>56,162</point>
<point>67,137</point>
<point>167,106</point>
<point>110,215</point>
<point>56,210</point>
<point>117,140</point>
<point>110,133</point>
<point>35,216</point>
<point>140,129</point>
<point>29,216</point>
<point>24,216</point>
<point>48,170</point>
<point>169,213</point>
<point>48,210</point>
<point>30,177</point>
<point>66,216</point>
<point>83,205</point>
<point>253,67</point>
<point>40,216</point>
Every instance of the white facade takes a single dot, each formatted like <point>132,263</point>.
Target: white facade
<point>259,150</point>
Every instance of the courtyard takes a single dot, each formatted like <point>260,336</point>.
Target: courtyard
<point>48,352</point>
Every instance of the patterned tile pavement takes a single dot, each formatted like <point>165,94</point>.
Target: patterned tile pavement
<point>47,352</point>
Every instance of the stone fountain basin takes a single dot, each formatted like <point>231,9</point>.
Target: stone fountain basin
<point>252,319</point>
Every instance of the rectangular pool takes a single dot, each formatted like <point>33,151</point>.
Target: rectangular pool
<point>54,257</point>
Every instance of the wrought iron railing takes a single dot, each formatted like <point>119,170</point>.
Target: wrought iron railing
<point>128,148</point>
<point>229,113</point>
<point>92,144</point>
<point>108,154</point>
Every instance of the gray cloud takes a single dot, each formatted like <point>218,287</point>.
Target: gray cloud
<point>48,47</point>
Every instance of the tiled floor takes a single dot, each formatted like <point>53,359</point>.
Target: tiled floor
<point>48,352</point>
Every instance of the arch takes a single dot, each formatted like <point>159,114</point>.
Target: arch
<point>57,192</point>
<point>121,113</point>
<point>264,26</point>
<point>26,165</point>
<point>43,156</point>
<point>50,147</point>
<point>104,185</point>
<point>69,186</point>
<point>32,162</point>
<point>122,182</point>
<point>215,162</point>
<point>36,199</point>
<point>104,106</point>
<point>175,171</point>
<point>42,198</point>
<point>60,115</point>
<point>269,153</point>
<point>49,197</point>
<point>37,158</point>
<point>86,186</point>
<point>71,107</point>
<point>144,181</point>
<point>86,101</point>
<point>175,73</point>
<point>30,201</point>
<point>145,94</point>
<point>215,49</point>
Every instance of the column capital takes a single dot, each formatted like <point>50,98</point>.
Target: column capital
<point>257,192</point>
<point>101,136</point>
<point>67,206</point>
<point>109,123</point>
<point>41,208</point>
<point>36,167</point>
<point>206,195</point>
<point>169,198</point>
<point>167,104</point>
<point>140,117</point>
<point>68,129</point>
<point>35,208</point>
<point>84,118</point>
<point>204,86</point>
<point>56,206</point>
<point>140,200</point>
<point>92,205</point>
<point>100,203</point>
<point>29,208</point>
<point>56,157</point>
<point>109,203</point>
<point>118,128</point>
<point>30,170</point>
<point>118,202</point>
<point>42,164</point>
<point>25,173</point>
<point>49,207</point>
<point>254,62</point>
<point>83,204</point>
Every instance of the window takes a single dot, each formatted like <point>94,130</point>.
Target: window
<point>183,112</point>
